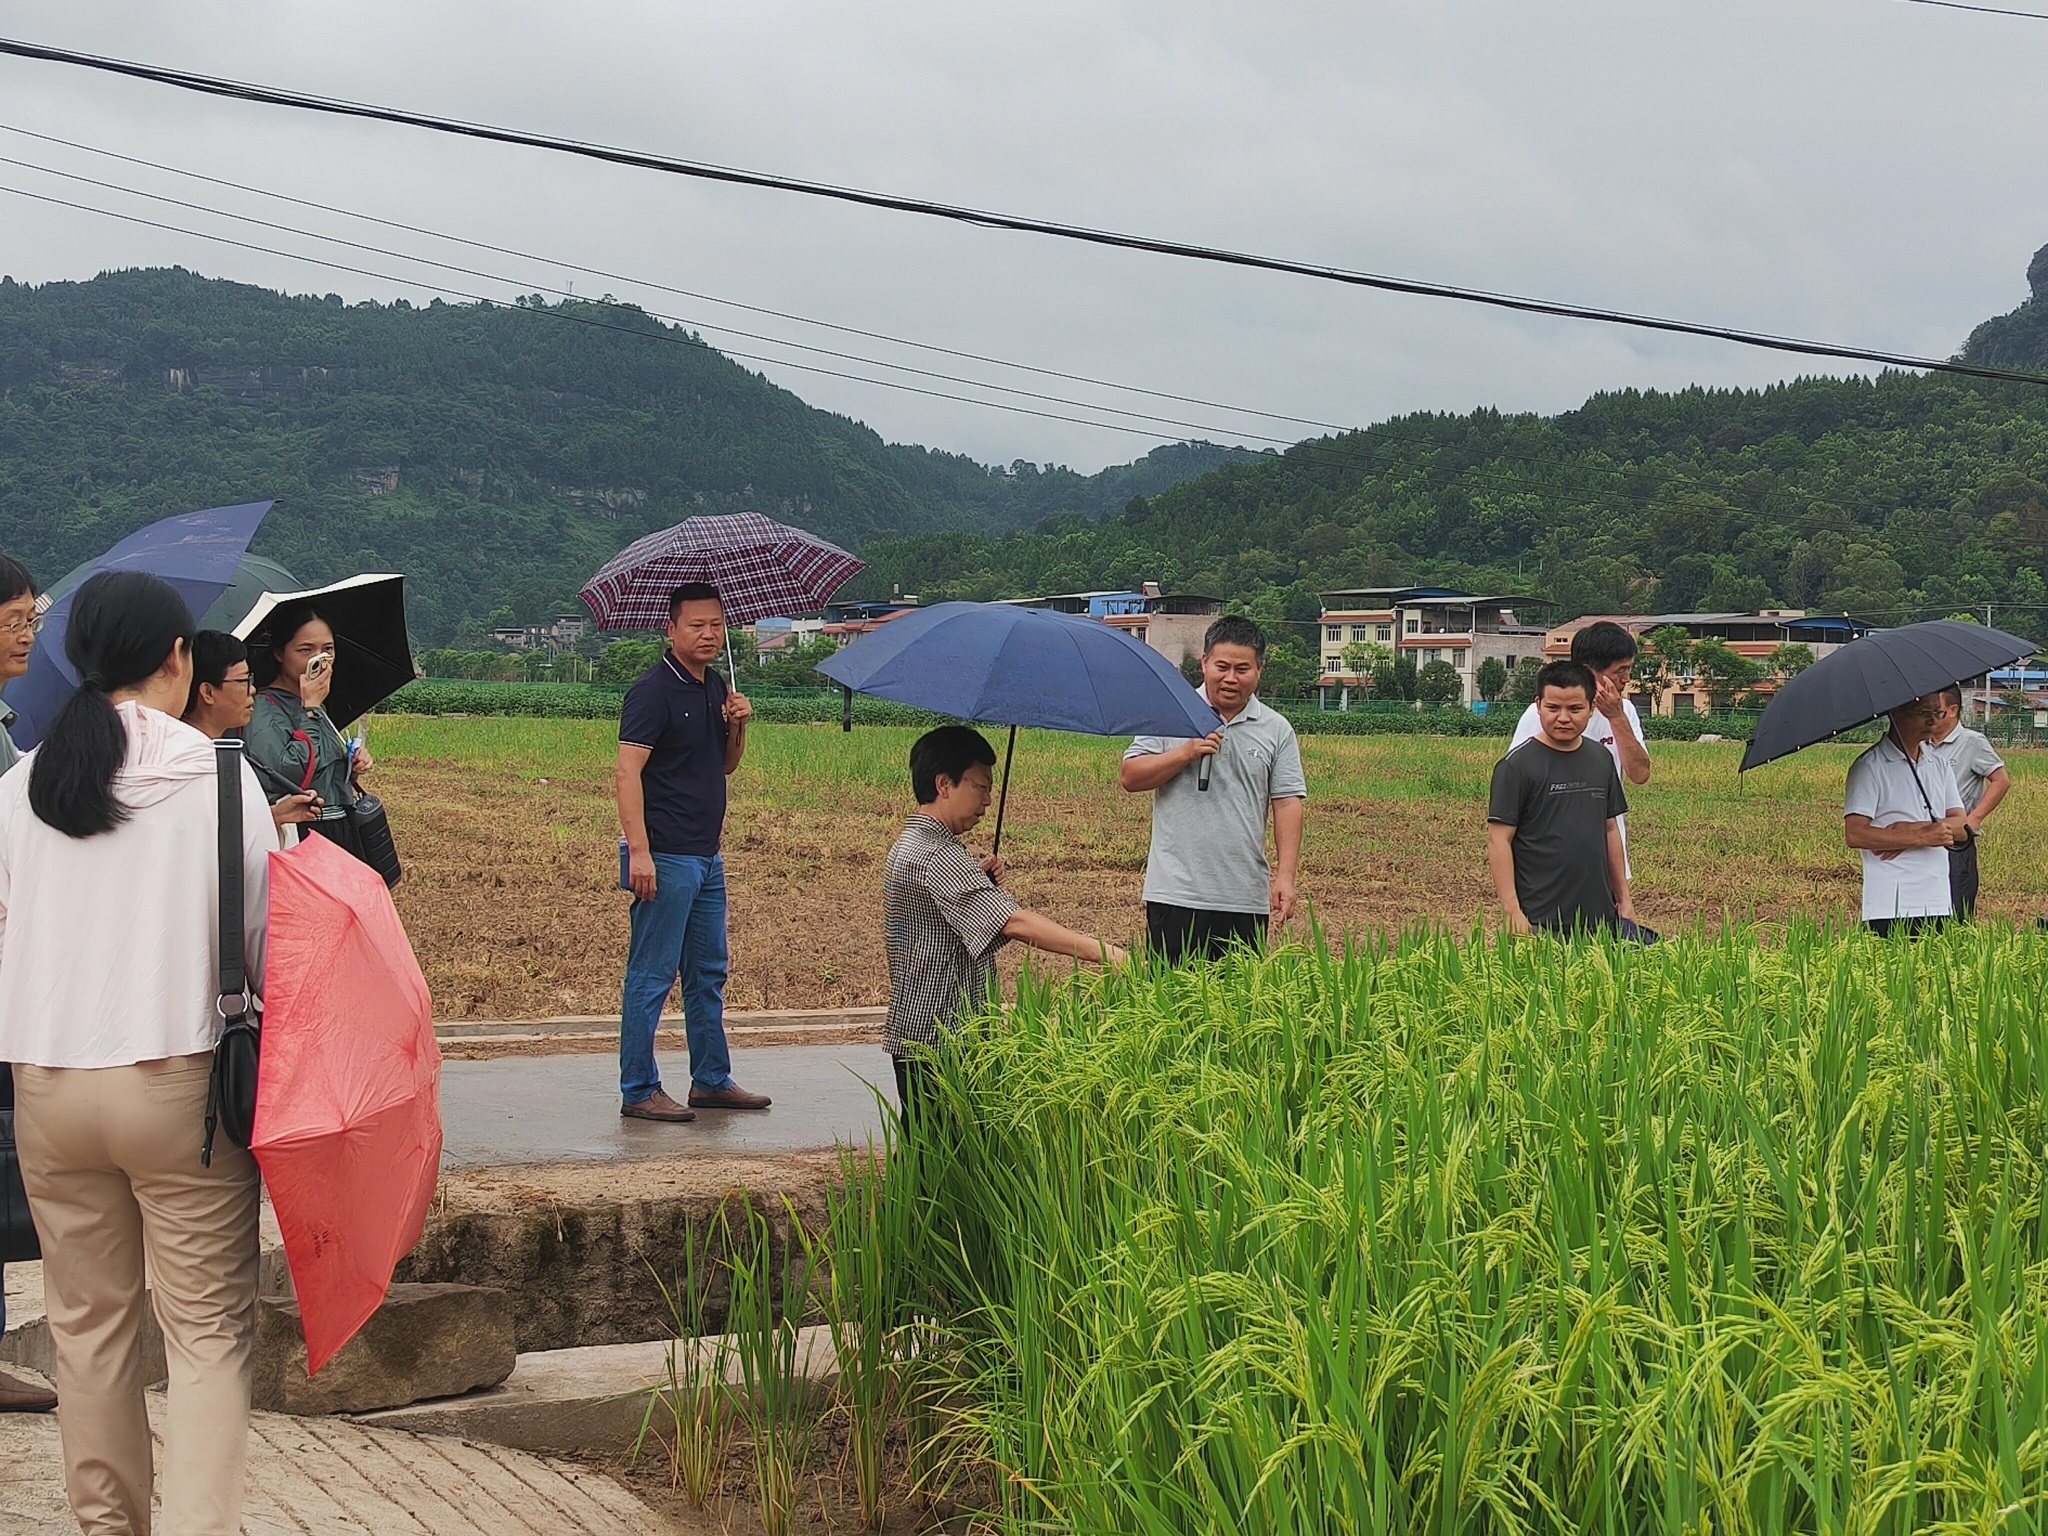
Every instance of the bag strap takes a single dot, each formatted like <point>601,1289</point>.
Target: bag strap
<point>312,760</point>
<point>1913,769</point>
<point>234,981</point>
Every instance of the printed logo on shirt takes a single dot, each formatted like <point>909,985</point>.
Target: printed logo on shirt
<point>1575,787</point>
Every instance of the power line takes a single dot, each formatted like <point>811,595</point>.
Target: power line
<point>495,277</point>
<point>243,91</point>
<point>1988,10</point>
<point>706,298</point>
<point>563,313</point>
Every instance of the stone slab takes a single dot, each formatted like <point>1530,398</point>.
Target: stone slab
<point>339,1478</point>
<point>552,1109</point>
<point>582,1400</point>
<point>425,1341</point>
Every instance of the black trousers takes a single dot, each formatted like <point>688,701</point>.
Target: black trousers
<point>1912,927</point>
<point>1962,880</point>
<point>1178,932</point>
<point>913,1091</point>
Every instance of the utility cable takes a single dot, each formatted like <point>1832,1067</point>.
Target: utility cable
<point>1987,10</point>
<point>703,298</point>
<point>236,90</point>
<point>681,320</point>
<point>562,313</point>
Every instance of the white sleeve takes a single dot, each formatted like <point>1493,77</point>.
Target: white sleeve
<point>259,842</point>
<point>1859,793</point>
<point>1635,722</point>
<point>1528,728</point>
<point>1146,746</point>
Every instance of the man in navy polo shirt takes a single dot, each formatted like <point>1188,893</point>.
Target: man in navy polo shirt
<point>682,733</point>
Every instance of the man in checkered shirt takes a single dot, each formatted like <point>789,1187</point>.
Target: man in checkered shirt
<point>944,911</point>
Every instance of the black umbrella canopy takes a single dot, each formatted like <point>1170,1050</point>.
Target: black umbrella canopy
<point>1873,676</point>
<point>372,652</point>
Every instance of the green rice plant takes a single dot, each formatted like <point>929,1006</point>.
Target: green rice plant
<point>689,1412</point>
<point>771,1285</point>
<point>853,1292</point>
<point>1437,1235</point>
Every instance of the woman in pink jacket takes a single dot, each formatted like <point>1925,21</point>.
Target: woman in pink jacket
<point>109,948</point>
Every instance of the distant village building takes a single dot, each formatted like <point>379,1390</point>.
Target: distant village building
<point>1171,623</point>
<point>562,634</point>
<point>1425,624</point>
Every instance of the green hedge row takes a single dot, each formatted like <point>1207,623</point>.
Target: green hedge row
<point>578,701</point>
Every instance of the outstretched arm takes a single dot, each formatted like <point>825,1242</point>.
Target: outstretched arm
<point>1041,932</point>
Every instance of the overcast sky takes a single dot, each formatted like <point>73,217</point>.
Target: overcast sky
<point>1865,171</point>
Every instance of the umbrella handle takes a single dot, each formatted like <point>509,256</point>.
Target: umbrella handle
<point>1003,800</point>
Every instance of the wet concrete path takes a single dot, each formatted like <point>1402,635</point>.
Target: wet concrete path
<point>560,1109</point>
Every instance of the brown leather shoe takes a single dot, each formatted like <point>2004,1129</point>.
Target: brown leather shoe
<point>657,1106</point>
<point>732,1096</point>
<point>19,1396</point>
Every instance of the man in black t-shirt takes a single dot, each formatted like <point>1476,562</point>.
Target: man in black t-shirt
<point>1552,842</point>
<point>681,735</point>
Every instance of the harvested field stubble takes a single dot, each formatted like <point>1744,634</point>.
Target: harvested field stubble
<point>1452,1237</point>
<point>511,847</point>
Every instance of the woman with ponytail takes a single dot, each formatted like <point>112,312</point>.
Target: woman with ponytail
<point>109,955</point>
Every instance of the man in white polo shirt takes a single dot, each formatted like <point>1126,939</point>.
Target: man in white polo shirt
<point>1609,652</point>
<point>1207,882</point>
<point>1902,811</point>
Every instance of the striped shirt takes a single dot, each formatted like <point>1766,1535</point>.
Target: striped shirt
<point>942,923</point>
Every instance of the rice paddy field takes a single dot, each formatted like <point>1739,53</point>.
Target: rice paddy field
<point>510,840</point>
<point>1440,1235</point>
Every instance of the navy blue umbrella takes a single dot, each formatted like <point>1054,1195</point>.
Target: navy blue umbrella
<point>199,553</point>
<point>998,664</point>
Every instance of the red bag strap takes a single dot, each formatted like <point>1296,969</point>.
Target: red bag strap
<point>312,753</point>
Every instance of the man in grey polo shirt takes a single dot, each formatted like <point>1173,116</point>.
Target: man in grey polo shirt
<point>1207,883</point>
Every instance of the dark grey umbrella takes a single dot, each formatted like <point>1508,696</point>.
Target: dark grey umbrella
<point>1872,676</point>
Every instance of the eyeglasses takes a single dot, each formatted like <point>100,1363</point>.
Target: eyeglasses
<point>16,628</point>
<point>239,682</point>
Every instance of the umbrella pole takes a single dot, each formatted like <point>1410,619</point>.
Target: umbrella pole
<point>1003,801</point>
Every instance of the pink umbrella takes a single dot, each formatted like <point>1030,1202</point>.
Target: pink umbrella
<point>348,1109</point>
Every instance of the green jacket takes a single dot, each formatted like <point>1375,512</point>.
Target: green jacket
<point>279,738</point>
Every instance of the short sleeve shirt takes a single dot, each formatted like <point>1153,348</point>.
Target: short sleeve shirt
<point>1559,804</point>
<point>680,721</point>
<point>1209,846</point>
<point>10,754</point>
<point>942,923</point>
<point>1598,729</point>
<point>1971,758</point>
<point>1884,786</point>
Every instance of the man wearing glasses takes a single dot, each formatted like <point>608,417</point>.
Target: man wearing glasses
<point>19,623</point>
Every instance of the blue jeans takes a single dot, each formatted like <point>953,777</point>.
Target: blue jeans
<point>681,933</point>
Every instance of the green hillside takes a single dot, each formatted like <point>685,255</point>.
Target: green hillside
<point>1889,498</point>
<point>496,456</point>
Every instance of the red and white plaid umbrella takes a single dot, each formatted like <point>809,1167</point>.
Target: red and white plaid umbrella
<point>762,569</point>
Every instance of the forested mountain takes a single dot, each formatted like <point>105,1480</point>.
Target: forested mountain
<point>496,456</point>
<point>1892,499</point>
<point>2020,339</point>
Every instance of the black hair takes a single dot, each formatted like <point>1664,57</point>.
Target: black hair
<point>692,592</point>
<point>124,626</point>
<point>1952,696</point>
<point>15,580</point>
<point>286,622</point>
<point>1603,645</point>
<point>1236,629</point>
<point>213,652</point>
<point>1566,674</point>
<point>947,752</point>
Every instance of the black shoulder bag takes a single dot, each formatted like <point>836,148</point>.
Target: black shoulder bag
<point>231,1095</point>
<point>18,1241</point>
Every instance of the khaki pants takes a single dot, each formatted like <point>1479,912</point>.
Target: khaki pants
<point>110,1156</point>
